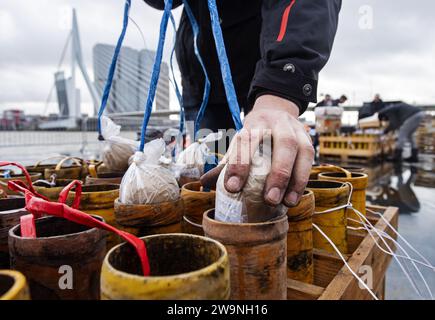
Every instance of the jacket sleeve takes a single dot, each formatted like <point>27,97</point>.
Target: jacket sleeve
<point>160,4</point>
<point>388,114</point>
<point>296,42</point>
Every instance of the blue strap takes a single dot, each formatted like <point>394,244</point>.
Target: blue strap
<point>225,66</point>
<point>112,68</point>
<point>195,29</point>
<point>174,80</point>
<point>211,162</point>
<point>156,72</point>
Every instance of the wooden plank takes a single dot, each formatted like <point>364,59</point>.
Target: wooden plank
<point>345,285</point>
<point>354,239</point>
<point>326,267</point>
<point>297,290</point>
<point>380,291</point>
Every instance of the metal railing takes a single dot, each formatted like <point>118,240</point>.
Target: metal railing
<point>167,113</point>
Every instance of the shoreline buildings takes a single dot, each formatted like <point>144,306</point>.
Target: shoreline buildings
<point>131,80</point>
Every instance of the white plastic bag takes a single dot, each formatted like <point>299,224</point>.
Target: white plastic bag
<point>147,180</point>
<point>248,206</point>
<point>192,160</point>
<point>117,150</point>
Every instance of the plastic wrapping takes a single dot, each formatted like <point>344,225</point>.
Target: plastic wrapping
<point>147,180</point>
<point>191,162</point>
<point>117,150</point>
<point>248,206</point>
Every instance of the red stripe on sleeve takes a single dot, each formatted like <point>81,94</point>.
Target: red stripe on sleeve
<point>284,21</point>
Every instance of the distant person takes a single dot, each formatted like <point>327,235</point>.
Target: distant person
<point>365,111</point>
<point>326,102</point>
<point>328,117</point>
<point>377,104</point>
<point>338,102</point>
<point>406,119</point>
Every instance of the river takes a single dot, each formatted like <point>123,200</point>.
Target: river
<point>28,147</point>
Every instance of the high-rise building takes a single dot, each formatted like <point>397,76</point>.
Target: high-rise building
<point>131,80</point>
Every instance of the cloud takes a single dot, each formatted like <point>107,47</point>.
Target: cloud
<point>34,33</point>
<point>395,57</point>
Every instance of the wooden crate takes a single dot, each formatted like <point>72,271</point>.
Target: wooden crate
<point>426,135</point>
<point>427,162</point>
<point>380,172</point>
<point>334,281</point>
<point>350,148</point>
<point>425,179</point>
<point>388,144</point>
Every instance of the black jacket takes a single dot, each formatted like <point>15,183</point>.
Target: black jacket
<point>397,114</point>
<point>273,46</point>
<point>377,106</point>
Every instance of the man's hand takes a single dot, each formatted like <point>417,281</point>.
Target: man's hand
<point>292,157</point>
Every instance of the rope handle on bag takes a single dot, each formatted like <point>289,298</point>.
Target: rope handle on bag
<point>77,161</point>
<point>38,207</point>
<point>21,183</point>
<point>174,80</point>
<point>156,72</point>
<point>225,66</point>
<point>181,129</point>
<point>93,169</point>
<point>112,68</point>
<point>50,158</point>
<point>207,84</point>
<point>27,222</point>
<point>63,195</point>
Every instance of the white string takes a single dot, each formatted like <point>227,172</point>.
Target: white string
<point>345,262</point>
<point>429,266</point>
<point>140,31</point>
<point>399,235</point>
<point>411,280</point>
<point>344,206</point>
<point>423,279</point>
<point>395,242</point>
<point>407,257</point>
<point>391,252</point>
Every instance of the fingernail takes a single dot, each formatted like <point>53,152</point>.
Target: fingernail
<point>292,198</point>
<point>233,184</point>
<point>274,195</point>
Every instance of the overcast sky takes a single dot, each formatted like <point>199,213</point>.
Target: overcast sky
<point>384,46</point>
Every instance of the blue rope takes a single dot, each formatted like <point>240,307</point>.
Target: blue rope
<point>156,72</point>
<point>174,81</point>
<point>195,29</point>
<point>112,68</point>
<point>225,66</point>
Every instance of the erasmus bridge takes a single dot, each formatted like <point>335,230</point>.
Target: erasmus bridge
<point>129,89</point>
